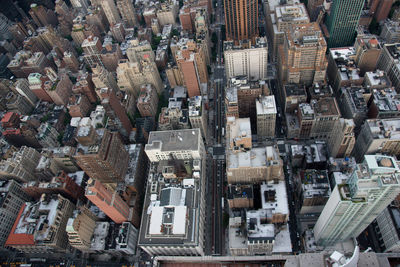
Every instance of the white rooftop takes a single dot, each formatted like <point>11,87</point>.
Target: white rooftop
<point>280,205</point>
<point>266,105</point>
<point>256,157</point>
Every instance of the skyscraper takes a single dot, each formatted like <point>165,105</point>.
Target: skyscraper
<point>241,19</point>
<point>108,201</point>
<point>342,22</point>
<point>106,162</point>
<point>373,185</point>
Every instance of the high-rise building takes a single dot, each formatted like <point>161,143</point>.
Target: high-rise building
<point>12,198</point>
<point>128,13</point>
<point>111,11</point>
<point>108,201</point>
<point>245,60</point>
<point>84,85</point>
<point>354,205</point>
<point>107,161</point>
<point>191,60</point>
<point>377,136</point>
<point>175,144</point>
<point>80,228</point>
<point>22,87</point>
<point>198,114</point>
<point>391,32</point>
<point>388,62</point>
<point>266,116</point>
<point>368,50</point>
<point>303,57</point>
<point>40,225</point>
<point>254,165</point>
<point>92,48</point>
<point>241,19</point>
<point>285,16</point>
<point>118,120</point>
<point>102,78</point>
<point>343,139</point>
<point>132,75</point>
<point>21,166</point>
<point>42,16</point>
<point>343,21</point>
<point>147,101</point>
<point>380,9</point>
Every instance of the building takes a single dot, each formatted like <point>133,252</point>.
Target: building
<point>342,70</point>
<point>61,90</point>
<point>108,201</point>
<point>384,104</point>
<point>103,78</point>
<point>167,13</point>
<point>198,114</point>
<point>47,135</point>
<point>78,105</point>
<point>377,136</point>
<point>128,13</point>
<point>326,113</point>
<point>61,183</point>
<point>314,191</point>
<point>386,227</point>
<point>303,58</point>
<point>251,61</point>
<point>368,50</point>
<point>106,161</point>
<point>191,60</point>
<point>266,116</point>
<point>240,196</point>
<point>147,102</point>
<point>238,134</point>
<point>376,80</point>
<point>174,225</point>
<point>18,104</point>
<point>280,21</point>
<point>118,119</point>
<point>21,166</point>
<point>71,61</point>
<point>131,76</point>
<point>241,20</point>
<point>11,199</point>
<point>263,231</point>
<point>231,102</point>
<point>84,85</point>
<point>111,11</point>
<point>391,32</point>
<point>40,226</point>
<point>294,95</point>
<point>92,48</point>
<point>80,228</point>
<point>254,166</point>
<point>389,62</point>
<point>353,105</point>
<point>354,205</point>
<point>42,16</point>
<point>342,22</point>
<point>343,139</point>
<point>244,94</point>
<point>380,9</point>
<point>176,144</point>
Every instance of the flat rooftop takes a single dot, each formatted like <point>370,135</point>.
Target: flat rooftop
<point>266,105</point>
<point>172,206</point>
<point>187,139</point>
<point>256,157</point>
